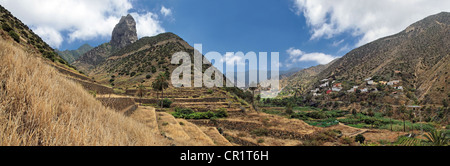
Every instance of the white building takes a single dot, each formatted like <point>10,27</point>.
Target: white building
<point>394,82</point>
<point>324,85</point>
<point>336,89</point>
<point>365,90</point>
<point>315,90</point>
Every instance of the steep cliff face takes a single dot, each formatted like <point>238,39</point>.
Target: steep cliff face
<point>124,33</point>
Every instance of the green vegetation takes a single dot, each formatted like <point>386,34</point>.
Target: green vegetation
<point>6,27</point>
<point>437,138</point>
<point>360,138</point>
<point>187,113</point>
<point>323,123</point>
<point>14,35</point>
<point>378,121</point>
<point>260,132</point>
<point>160,84</point>
<point>166,103</point>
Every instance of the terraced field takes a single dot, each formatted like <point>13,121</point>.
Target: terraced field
<point>243,126</point>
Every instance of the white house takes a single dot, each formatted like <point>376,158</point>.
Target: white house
<point>365,90</point>
<point>353,89</point>
<point>315,90</point>
<point>324,85</point>
<point>394,82</point>
<point>336,89</point>
<point>317,94</point>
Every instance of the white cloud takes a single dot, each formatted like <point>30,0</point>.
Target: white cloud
<point>297,55</point>
<point>78,19</point>
<point>49,35</point>
<point>147,24</point>
<point>165,11</point>
<point>368,19</point>
<point>230,58</point>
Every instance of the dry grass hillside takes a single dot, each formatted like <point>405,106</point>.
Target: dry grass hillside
<point>39,106</point>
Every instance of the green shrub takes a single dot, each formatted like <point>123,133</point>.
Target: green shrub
<point>317,115</point>
<point>324,123</point>
<point>6,27</point>
<point>260,132</point>
<point>15,36</point>
<point>360,138</point>
<point>184,110</point>
<point>187,113</point>
<point>221,113</point>
<point>166,103</point>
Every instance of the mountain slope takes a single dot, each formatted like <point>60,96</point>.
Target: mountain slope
<point>140,61</point>
<point>37,110</point>
<point>418,57</point>
<point>72,55</point>
<point>304,78</point>
<point>13,28</point>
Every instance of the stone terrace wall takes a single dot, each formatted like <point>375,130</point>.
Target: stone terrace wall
<point>99,89</point>
<point>124,105</point>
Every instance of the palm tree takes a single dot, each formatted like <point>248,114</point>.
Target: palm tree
<point>140,92</point>
<point>253,87</point>
<point>389,113</point>
<point>402,111</point>
<point>160,84</point>
<point>411,118</point>
<point>299,90</point>
<point>437,138</point>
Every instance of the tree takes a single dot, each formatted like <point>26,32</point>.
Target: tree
<point>402,111</point>
<point>140,92</point>
<point>370,112</point>
<point>360,138</point>
<point>253,87</point>
<point>411,118</point>
<point>354,112</point>
<point>389,113</point>
<point>289,108</point>
<point>160,84</point>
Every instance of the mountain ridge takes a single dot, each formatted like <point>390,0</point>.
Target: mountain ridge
<point>417,56</point>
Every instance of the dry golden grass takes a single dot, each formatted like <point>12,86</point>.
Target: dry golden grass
<point>147,116</point>
<point>195,133</point>
<point>214,134</point>
<point>38,106</point>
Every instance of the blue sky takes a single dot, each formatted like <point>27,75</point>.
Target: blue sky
<point>304,32</point>
<point>234,25</point>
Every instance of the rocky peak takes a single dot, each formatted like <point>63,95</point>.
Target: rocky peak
<point>124,32</point>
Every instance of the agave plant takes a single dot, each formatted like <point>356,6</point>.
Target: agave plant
<point>437,138</point>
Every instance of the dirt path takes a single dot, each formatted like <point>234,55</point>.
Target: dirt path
<point>348,131</point>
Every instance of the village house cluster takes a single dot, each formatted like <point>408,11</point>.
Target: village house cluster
<point>328,86</point>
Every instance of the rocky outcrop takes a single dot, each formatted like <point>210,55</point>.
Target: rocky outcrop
<point>124,32</point>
